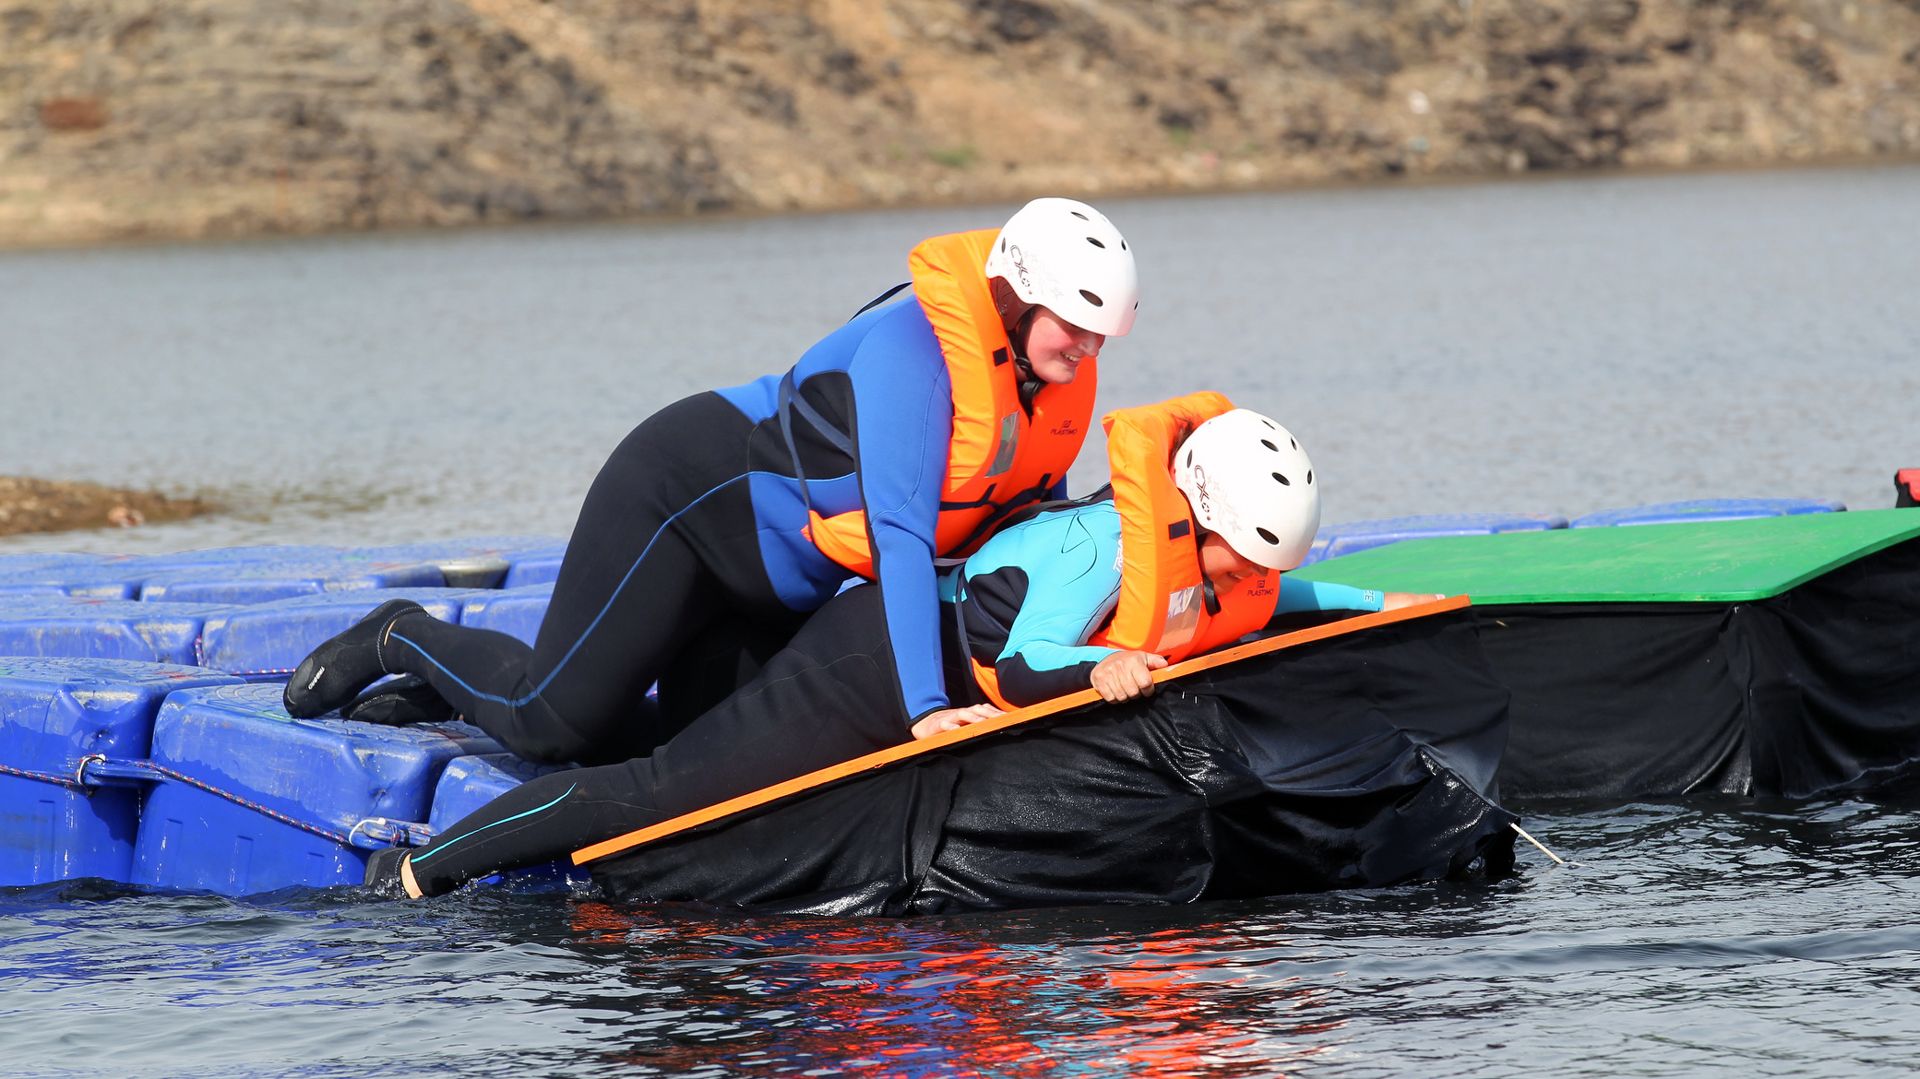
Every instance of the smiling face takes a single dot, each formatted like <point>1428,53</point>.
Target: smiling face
<point>1056,347</point>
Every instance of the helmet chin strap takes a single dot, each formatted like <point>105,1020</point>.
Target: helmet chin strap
<point>1030,383</point>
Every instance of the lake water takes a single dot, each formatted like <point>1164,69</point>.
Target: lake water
<point>1558,346</point>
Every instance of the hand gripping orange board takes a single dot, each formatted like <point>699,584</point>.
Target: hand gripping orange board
<point>908,751</point>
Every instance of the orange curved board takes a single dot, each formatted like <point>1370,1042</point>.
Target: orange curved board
<point>909,750</point>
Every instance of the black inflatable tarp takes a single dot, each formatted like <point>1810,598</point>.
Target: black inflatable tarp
<point>1778,657</point>
<point>1775,657</point>
<point>1359,761</point>
<point>1810,692</point>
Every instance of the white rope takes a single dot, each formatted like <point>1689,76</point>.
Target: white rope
<point>1557,860</point>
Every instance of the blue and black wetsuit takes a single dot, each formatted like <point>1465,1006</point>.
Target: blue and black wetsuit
<point>690,543</point>
<point>1031,598</point>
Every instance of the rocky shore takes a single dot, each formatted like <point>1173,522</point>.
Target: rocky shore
<point>31,505</point>
<point>228,117</point>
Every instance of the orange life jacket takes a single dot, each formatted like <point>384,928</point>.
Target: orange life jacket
<point>998,458</point>
<point>1165,606</point>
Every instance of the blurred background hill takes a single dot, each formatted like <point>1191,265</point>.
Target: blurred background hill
<point>188,118</point>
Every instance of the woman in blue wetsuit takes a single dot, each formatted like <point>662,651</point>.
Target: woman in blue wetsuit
<point>1044,608</point>
<point>724,519</point>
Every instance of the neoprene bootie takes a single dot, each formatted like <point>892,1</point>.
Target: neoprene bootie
<point>333,673</point>
<point>408,699</point>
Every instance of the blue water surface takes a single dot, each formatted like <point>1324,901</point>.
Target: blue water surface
<point>1558,347</point>
<point>1688,938</point>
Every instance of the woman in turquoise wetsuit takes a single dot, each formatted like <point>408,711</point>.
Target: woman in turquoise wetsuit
<point>724,519</point>
<point>1026,615</point>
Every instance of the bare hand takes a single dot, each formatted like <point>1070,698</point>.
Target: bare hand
<point>1393,601</point>
<point>1126,675</point>
<point>952,719</point>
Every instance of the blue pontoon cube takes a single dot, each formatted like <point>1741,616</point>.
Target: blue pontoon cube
<point>535,567</point>
<point>468,562</point>
<point>265,640</point>
<point>29,561</point>
<point>262,582</point>
<point>227,556</point>
<point>62,625</point>
<point>516,612</point>
<point>55,714</point>
<point>123,576</point>
<point>253,801</point>
<point>471,782</point>
<point>87,580</point>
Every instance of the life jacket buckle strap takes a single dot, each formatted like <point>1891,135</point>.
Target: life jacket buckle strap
<point>789,396</point>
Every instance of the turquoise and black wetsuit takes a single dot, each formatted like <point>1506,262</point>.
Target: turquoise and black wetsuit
<point>690,542</point>
<point>1033,595</point>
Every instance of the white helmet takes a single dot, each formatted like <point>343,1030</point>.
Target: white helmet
<point>1248,479</point>
<point>1067,256</point>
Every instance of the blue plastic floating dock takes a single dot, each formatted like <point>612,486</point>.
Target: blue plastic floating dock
<point>516,612</point>
<point>263,582</point>
<point>56,714</point>
<point>270,639</point>
<point>533,567</point>
<point>1707,509</point>
<point>469,562</point>
<point>27,562</point>
<point>1355,536</point>
<point>228,556</point>
<point>252,801</point>
<point>87,580</point>
<point>471,782</point>
<point>224,575</point>
<point>59,625</point>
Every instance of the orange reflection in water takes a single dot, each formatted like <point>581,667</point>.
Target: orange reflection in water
<point>968,996</point>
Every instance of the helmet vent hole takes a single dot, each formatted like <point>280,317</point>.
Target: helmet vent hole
<point>1123,245</point>
<point>1295,442</point>
<point>1096,243</point>
<point>1080,215</point>
<point>1268,536</point>
<point>1270,423</point>
<point>1189,458</point>
<point>1309,475</point>
<point>1284,482</point>
<point>1003,245</point>
<point>1091,298</point>
<point>1270,445</point>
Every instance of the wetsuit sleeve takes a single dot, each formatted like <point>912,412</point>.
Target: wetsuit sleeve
<point>1300,595</point>
<point>1074,583</point>
<point>903,421</point>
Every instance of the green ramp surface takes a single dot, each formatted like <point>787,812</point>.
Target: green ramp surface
<point>1703,562</point>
